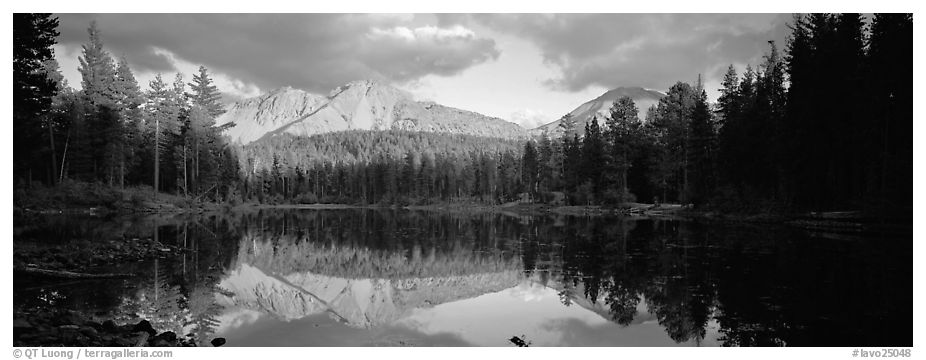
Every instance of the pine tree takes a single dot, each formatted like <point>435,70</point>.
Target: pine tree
<point>773,101</point>
<point>33,37</point>
<point>105,128</point>
<point>569,126</point>
<point>593,158</point>
<point>889,75</point>
<point>161,113</point>
<point>205,94</point>
<point>730,137</point>
<point>128,102</point>
<point>622,134</point>
<point>530,170</point>
<point>700,151</point>
<point>670,124</point>
<point>98,71</point>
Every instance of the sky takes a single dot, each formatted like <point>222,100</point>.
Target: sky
<point>526,68</point>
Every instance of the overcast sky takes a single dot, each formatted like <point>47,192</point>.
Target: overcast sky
<point>529,69</point>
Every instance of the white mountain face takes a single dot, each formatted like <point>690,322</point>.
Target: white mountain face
<point>601,106</point>
<point>257,116</point>
<point>363,303</point>
<point>359,105</point>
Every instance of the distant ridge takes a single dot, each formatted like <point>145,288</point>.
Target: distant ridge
<point>359,105</point>
<point>583,114</point>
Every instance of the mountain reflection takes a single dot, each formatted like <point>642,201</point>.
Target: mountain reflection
<point>382,277</point>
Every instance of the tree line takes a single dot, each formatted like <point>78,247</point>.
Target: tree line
<point>111,131</point>
<point>381,167</point>
<point>822,126</point>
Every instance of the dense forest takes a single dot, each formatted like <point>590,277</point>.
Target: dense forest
<point>819,126</point>
<point>381,167</point>
<point>111,131</point>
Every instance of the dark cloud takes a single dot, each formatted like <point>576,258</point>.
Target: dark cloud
<point>649,50</point>
<point>316,52</point>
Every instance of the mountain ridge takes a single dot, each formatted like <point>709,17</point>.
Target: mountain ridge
<point>358,105</point>
<point>584,113</point>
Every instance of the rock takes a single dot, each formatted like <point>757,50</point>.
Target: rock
<point>81,340</point>
<point>141,338</point>
<point>67,335</point>
<point>217,342</point>
<point>123,342</point>
<point>145,326</point>
<point>89,331</point>
<point>161,343</point>
<point>68,319</point>
<point>95,325</point>
<point>21,326</point>
<point>360,105</point>
<point>168,336</point>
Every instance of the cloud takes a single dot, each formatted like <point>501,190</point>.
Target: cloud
<point>316,52</point>
<point>648,50</point>
<point>401,53</point>
<point>529,118</point>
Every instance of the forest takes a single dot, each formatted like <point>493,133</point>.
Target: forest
<point>111,131</point>
<point>819,126</point>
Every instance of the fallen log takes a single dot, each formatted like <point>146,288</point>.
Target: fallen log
<point>70,274</point>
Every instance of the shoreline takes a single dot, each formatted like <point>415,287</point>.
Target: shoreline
<point>67,200</point>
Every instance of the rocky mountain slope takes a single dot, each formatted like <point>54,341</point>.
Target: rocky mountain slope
<point>362,303</point>
<point>600,106</point>
<point>359,105</point>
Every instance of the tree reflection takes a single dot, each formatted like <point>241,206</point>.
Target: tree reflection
<point>759,286</point>
<point>764,286</point>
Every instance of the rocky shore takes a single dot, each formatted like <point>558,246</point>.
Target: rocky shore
<point>86,257</point>
<point>70,328</point>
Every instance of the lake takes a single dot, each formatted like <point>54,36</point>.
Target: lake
<point>364,277</point>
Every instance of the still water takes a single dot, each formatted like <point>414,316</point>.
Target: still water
<point>401,278</point>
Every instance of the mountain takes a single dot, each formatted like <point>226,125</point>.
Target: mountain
<point>362,303</point>
<point>359,105</point>
<point>643,98</point>
<point>260,115</point>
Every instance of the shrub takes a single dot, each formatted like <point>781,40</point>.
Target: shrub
<point>306,198</point>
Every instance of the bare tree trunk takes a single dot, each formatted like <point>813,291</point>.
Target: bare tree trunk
<point>122,167</point>
<point>185,193</point>
<point>54,160</point>
<point>64,157</point>
<point>196,163</point>
<point>157,157</point>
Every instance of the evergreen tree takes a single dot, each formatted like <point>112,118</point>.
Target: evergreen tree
<point>730,139</point>
<point>671,128</point>
<point>104,125</point>
<point>128,102</point>
<point>623,137</point>
<point>162,113</point>
<point>569,126</point>
<point>593,158</point>
<point>889,77</point>
<point>33,37</point>
<point>98,71</point>
<point>530,170</point>
<point>205,94</point>
<point>700,151</point>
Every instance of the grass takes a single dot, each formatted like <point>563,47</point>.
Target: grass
<point>79,195</point>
